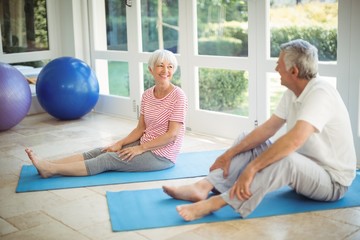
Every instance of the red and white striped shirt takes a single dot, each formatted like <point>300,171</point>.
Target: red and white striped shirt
<point>157,115</point>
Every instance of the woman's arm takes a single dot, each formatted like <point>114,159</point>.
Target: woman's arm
<point>166,138</point>
<point>160,141</point>
<point>133,136</point>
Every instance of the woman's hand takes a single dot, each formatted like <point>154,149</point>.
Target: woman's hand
<point>114,147</point>
<point>127,154</point>
<point>223,162</point>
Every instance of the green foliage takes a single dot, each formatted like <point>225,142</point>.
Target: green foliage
<point>214,10</point>
<point>220,46</point>
<point>232,42</point>
<point>119,78</point>
<point>149,18</point>
<point>324,39</point>
<point>116,27</point>
<point>40,22</point>
<point>223,90</point>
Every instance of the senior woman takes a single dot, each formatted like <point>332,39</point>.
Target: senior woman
<point>155,142</point>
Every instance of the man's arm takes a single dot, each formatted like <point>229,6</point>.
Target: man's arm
<point>253,139</point>
<point>284,146</point>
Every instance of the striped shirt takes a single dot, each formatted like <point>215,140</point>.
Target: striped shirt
<point>157,115</point>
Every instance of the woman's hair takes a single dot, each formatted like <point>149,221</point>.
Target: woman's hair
<point>303,55</point>
<point>162,55</point>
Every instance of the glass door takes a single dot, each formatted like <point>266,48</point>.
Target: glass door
<point>124,35</point>
<point>110,56</point>
<point>220,60</point>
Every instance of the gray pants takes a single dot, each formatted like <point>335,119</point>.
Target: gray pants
<point>97,161</point>
<point>296,171</point>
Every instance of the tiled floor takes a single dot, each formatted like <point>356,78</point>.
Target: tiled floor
<point>82,213</point>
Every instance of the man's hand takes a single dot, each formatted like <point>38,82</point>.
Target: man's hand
<point>241,188</point>
<point>223,162</point>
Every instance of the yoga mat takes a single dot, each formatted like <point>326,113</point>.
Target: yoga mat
<point>144,209</point>
<point>191,164</point>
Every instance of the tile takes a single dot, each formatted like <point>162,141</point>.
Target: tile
<point>6,228</point>
<point>100,231</point>
<point>73,193</point>
<point>353,236</point>
<point>30,220</point>
<point>219,230</point>
<point>168,233</point>
<point>10,165</point>
<point>81,213</point>
<point>15,204</point>
<point>294,226</point>
<point>49,231</point>
<point>6,179</point>
<point>345,215</point>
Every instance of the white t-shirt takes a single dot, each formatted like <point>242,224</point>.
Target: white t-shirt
<point>331,146</point>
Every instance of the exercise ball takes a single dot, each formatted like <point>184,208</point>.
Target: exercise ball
<point>15,96</point>
<point>67,88</point>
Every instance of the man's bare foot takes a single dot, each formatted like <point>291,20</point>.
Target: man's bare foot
<point>200,209</point>
<point>193,192</point>
<point>43,167</point>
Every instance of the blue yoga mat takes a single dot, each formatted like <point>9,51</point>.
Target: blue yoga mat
<point>191,164</point>
<point>143,209</point>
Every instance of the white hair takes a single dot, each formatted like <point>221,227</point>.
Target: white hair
<point>303,55</point>
<point>162,55</point>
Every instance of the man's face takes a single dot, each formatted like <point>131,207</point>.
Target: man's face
<point>285,76</point>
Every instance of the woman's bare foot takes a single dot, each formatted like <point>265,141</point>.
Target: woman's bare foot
<point>193,192</point>
<point>200,209</point>
<point>43,167</point>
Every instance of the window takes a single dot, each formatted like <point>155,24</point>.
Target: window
<point>224,91</point>
<point>222,28</point>
<point>116,29</point>
<point>24,26</point>
<point>312,20</point>
<point>159,24</point>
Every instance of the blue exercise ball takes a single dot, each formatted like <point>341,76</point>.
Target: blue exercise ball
<point>67,88</point>
<point>15,96</point>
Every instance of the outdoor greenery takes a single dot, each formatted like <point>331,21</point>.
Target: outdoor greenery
<point>219,91</point>
<point>222,27</point>
<point>222,31</point>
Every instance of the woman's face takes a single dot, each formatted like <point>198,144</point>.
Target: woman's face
<point>162,72</point>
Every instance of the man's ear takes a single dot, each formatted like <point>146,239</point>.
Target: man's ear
<point>295,71</point>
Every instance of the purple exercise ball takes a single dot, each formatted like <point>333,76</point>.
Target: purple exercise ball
<point>15,96</point>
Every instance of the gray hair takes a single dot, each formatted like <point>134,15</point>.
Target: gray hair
<point>162,55</point>
<point>303,55</point>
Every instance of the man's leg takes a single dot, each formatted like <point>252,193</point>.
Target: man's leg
<point>300,173</point>
<point>297,171</point>
<point>215,180</point>
<point>200,209</point>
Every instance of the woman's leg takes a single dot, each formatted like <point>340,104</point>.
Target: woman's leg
<point>70,159</point>
<point>110,161</point>
<point>48,168</point>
